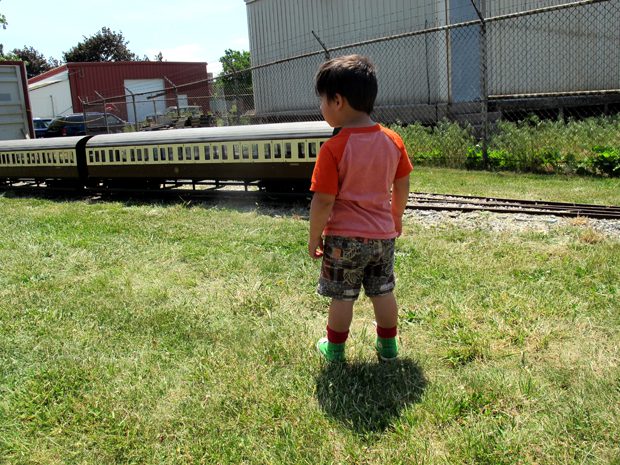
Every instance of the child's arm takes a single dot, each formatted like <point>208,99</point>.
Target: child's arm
<point>320,209</point>
<point>400,195</point>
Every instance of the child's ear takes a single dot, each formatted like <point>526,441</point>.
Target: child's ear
<point>339,100</point>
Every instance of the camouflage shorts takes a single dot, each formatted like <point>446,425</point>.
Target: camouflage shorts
<point>350,262</point>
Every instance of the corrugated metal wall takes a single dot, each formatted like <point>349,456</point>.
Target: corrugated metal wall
<point>283,28</point>
<point>107,79</point>
<point>543,53</point>
<point>15,114</point>
<point>562,51</point>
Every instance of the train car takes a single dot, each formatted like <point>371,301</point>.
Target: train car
<point>59,160</point>
<point>274,155</point>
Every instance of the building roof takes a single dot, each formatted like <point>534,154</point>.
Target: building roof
<point>110,65</point>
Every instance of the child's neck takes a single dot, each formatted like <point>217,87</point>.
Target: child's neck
<point>358,119</point>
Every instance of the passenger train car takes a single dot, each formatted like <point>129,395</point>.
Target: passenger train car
<point>274,155</point>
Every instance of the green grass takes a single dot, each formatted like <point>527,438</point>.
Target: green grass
<point>152,333</point>
<point>576,189</point>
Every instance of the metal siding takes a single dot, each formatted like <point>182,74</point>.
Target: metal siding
<point>287,26</point>
<point>15,113</point>
<point>553,52</point>
<point>108,79</point>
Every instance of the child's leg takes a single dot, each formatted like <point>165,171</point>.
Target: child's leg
<point>386,310</point>
<point>338,322</point>
<point>340,315</point>
<point>386,315</point>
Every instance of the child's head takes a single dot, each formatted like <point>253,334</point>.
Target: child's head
<point>351,76</point>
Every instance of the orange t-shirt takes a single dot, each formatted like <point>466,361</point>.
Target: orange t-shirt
<point>359,166</point>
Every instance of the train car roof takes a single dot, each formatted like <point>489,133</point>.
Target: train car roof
<point>224,133</point>
<point>50,143</point>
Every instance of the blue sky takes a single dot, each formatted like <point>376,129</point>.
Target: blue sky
<point>183,30</point>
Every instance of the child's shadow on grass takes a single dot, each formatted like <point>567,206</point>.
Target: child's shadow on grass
<point>368,397</point>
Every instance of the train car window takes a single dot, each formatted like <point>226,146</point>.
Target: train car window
<point>72,158</point>
<point>28,158</point>
<point>245,152</point>
<point>95,156</point>
<point>224,152</point>
<point>277,151</point>
<point>146,154</point>
<point>91,156</point>
<point>236,151</point>
<point>132,155</point>
<point>170,154</point>
<point>207,151</point>
<point>301,150</point>
<point>254,151</point>
<point>155,154</point>
<point>139,154</point>
<point>124,155</point>
<point>288,153</point>
<point>117,154</point>
<point>180,153</point>
<point>196,152</point>
<point>110,155</point>
<point>103,156</point>
<point>216,152</point>
<point>188,153</point>
<point>267,150</point>
<point>312,149</point>
<point>162,153</point>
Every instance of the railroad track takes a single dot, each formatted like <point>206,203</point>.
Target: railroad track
<point>417,201</point>
<point>466,203</point>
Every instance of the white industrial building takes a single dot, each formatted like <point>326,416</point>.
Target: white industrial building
<point>571,50</point>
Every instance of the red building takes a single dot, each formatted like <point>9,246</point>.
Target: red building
<point>120,87</point>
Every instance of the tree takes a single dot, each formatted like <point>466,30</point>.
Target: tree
<point>233,63</point>
<point>105,45</point>
<point>36,63</point>
<point>3,21</point>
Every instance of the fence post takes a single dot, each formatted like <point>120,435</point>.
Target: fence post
<point>84,103</point>
<point>176,94</point>
<point>135,114</point>
<point>105,113</point>
<point>484,97</point>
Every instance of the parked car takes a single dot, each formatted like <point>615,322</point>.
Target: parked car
<point>73,125</point>
<point>40,126</point>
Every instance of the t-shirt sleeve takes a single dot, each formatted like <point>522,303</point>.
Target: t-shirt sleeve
<point>325,174</point>
<point>404,164</point>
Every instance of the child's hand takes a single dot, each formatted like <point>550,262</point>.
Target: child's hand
<point>315,247</point>
<point>398,225</point>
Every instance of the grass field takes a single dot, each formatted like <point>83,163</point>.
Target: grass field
<point>178,333</point>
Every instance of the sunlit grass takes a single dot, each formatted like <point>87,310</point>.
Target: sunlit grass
<point>152,333</point>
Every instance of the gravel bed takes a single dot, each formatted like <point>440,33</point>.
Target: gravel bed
<point>503,222</point>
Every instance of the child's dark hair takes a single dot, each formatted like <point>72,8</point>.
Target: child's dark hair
<point>353,77</point>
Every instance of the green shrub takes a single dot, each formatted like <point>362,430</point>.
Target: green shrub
<point>606,160</point>
<point>586,147</point>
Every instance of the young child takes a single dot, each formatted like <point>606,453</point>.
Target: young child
<point>360,184</point>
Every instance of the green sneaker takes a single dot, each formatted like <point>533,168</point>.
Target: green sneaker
<point>387,349</point>
<point>330,351</point>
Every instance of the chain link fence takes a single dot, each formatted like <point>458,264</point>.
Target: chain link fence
<point>478,67</point>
